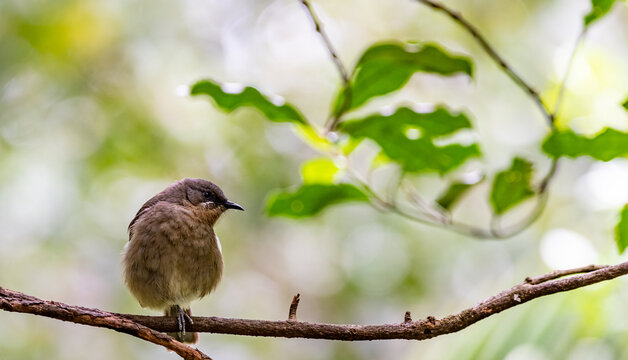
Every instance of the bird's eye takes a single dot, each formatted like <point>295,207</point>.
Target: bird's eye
<point>207,195</point>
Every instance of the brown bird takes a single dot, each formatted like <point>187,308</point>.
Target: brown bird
<point>173,255</point>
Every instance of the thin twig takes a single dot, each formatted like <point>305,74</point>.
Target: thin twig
<point>436,213</point>
<point>563,84</point>
<point>407,317</point>
<point>444,220</point>
<point>549,115</point>
<point>292,313</point>
<point>18,302</point>
<point>430,327</point>
<point>561,273</point>
<point>493,54</point>
<point>344,75</point>
<point>382,204</point>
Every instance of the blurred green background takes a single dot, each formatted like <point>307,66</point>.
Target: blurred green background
<point>95,119</point>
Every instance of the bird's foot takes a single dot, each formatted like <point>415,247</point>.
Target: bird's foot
<point>182,317</point>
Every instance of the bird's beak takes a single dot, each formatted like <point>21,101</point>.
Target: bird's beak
<point>232,205</point>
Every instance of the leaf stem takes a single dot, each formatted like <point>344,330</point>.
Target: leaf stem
<point>335,116</point>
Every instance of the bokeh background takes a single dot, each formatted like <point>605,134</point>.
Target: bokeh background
<point>95,119</point>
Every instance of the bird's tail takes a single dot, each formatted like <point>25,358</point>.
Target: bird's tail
<point>187,337</point>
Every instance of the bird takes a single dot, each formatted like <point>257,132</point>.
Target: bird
<point>173,255</point>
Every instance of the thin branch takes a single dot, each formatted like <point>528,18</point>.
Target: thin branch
<point>292,313</point>
<point>496,57</point>
<point>494,232</point>
<point>18,302</point>
<point>382,204</point>
<point>344,75</point>
<point>563,83</point>
<point>427,328</point>
<point>561,273</point>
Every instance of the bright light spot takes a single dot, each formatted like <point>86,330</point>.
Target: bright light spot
<point>561,57</point>
<point>332,137</point>
<point>423,108</point>
<point>413,133</point>
<point>472,177</point>
<point>182,91</point>
<point>462,137</point>
<point>581,69</point>
<point>277,100</point>
<point>565,249</point>
<point>526,352</point>
<point>340,161</point>
<point>590,348</point>
<point>232,88</point>
<point>605,186</point>
<point>412,47</point>
<point>387,110</point>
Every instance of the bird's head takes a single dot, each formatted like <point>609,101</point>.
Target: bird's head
<point>204,198</point>
<point>206,194</point>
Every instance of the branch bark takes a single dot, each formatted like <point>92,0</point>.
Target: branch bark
<point>18,302</point>
<point>147,327</point>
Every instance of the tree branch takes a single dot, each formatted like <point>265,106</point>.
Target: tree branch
<point>334,118</point>
<point>136,325</point>
<point>18,302</point>
<point>493,55</point>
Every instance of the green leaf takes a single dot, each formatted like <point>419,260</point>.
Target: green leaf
<point>310,199</point>
<point>621,231</point>
<point>232,99</point>
<point>511,186</point>
<point>319,171</point>
<point>625,104</point>
<point>599,9</point>
<point>454,192</point>
<point>407,137</point>
<point>605,146</point>
<point>387,67</point>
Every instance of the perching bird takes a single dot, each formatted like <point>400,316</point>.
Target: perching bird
<point>173,255</point>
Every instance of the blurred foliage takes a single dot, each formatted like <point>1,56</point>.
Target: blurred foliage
<point>408,137</point>
<point>387,67</point>
<point>93,123</point>
<point>319,171</point>
<point>310,199</point>
<point>621,231</point>
<point>237,96</point>
<point>600,8</point>
<point>512,186</point>
<point>605,146</point>
<point>454,192</point>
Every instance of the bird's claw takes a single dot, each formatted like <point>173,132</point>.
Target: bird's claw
<point>182,317</point>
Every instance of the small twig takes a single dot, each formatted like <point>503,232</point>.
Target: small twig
<point>430,327</point>
<point>18,302</point>
<point>493,54</point>
<point>344,75</point>
<point>561,273</point>
<point>407,317</point>
<point>432,215</point>
<point>436,213</point>
<point>382,204</point>
<point>563,84</point>
<point>292,314</point>
<point>493,231</point>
